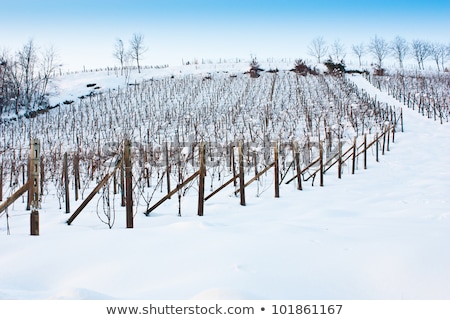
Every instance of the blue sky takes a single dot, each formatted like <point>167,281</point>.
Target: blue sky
<point>83,32</point>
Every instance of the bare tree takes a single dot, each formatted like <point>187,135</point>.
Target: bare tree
<point>318,48</point>
<point>421,51</point>
<point>379,49</point>
<point>27,63</point>
<point>338,50</point>
<point>399,49</point>
<point>48,65</point>
<point>120,54</point>
<point>137,48</point>
<point>359,50</point>
<point>438,51</point>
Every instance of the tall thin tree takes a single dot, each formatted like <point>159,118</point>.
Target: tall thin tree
<point>399,49</point>
<point>318,48</point>
<point>137,49</point>
<point>379,49</point>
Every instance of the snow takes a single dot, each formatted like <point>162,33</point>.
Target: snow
<point>381,233</point>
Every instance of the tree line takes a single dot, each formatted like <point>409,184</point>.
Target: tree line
<point>24,78</point>
<point>380,49</point>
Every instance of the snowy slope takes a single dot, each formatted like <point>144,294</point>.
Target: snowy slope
<point>382,233</point>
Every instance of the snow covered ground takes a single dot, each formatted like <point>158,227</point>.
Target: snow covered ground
<point>382,233</point>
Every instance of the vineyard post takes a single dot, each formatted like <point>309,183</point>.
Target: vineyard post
<point>241,174</point>
<point>354,155</point>
<point>128,183</point>
<point>340,159</point>
<point>297,166</point>
<point>66,182</point>
<point>201,181</point>
<point>35,150</point>
<point>321,162</point>
<point>276,170</point>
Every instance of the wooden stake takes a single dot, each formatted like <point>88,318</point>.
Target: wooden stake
<point>34,184</point>
<point>201,181</point>
<point>276,171</point>
<point>241,174</point>
<point>340,159</point>
<point>321,162</point>
<point>34,172</point>
<point>128,183</point>
<point>354,156</point>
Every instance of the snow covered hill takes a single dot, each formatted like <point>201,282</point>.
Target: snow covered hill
<point>382,233</point>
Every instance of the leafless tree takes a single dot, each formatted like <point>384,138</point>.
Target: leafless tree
<point>48,65</point>
<point>421,51</point>
<point>27,63</point>
<point>399,49</point>
<point>137,48</point>
<point>338,51</point>
<point>359,50</point>
<point>120,54</point>
<point>379,49</point>
<point>318,48</point>
<point>438,51</point>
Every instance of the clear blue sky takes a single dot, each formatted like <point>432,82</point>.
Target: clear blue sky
<point>84,31</point>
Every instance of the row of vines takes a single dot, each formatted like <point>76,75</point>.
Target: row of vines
<point>167,118</point>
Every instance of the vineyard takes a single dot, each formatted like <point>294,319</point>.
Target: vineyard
<point>426,93</point>
<point>300,125</point>
<point>275,165</point>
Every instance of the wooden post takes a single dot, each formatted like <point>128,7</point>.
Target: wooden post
<point>354,156</point>
<point>66,182</point>
<point>201,181</point>
<point>321,162</point>
<point>166,151</point>
<point>241,174</point>
<point>297,165</point>
<point>340,159</point>
<point>35,154</point>
<point>401,118</point>
<point>128,183</point>
<point>276,171</point>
